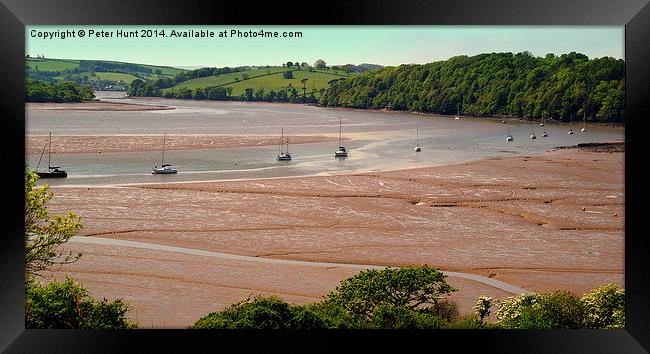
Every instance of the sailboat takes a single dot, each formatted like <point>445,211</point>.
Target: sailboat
<point>341,152</point>
<point>571,130</point>
<point>417,137</point>
<point>165,168</point>
<point>283,156</point>
<point>584,120</point>
<point>544,134</point>
<point>53,171</point>
<point>541,124</point>
<point>458,112</point>
<point>532,135</point>
<point>509,137</point>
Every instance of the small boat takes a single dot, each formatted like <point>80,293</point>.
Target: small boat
<point>341,152</point>
<point>541,124</point>
<point>544,134</point>
<point>532,135</point>
<point>283,156</point>
<point>584,120</point>
<point>165,168</point>
<point>417,137</point>
<point>458,112</point>
<point>52,171</point>
<point>570,130</point>
<point>509,137</point>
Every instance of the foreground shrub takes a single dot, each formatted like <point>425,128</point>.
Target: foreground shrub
<point>258,313</point>
<point>399,317</point>
<point>69,305</point>
<point>605,307</point>
<point>414,288</point>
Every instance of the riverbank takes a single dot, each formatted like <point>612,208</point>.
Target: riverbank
<point>547,222</point>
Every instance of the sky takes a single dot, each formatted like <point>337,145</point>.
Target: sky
<point>384,45</point>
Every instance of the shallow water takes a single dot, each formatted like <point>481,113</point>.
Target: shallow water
<point>381,140</point>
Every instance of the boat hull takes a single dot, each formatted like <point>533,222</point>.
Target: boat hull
<point>163,172</point>
<point>61,174</point>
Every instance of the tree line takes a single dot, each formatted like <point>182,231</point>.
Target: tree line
<point>289,94</point>
<point>563,87</point>
<point>66,91</point>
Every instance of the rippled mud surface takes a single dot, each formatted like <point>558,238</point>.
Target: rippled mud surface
<point>542,222</point>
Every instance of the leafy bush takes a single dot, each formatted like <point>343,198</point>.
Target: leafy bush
<point>69,305</point>
<point>399,317</point>
<point>258,313</point>
<point>410,287</point>
<point>605,307</point>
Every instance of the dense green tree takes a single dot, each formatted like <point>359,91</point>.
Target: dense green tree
<point>408,287</point>
<point>288,74</point>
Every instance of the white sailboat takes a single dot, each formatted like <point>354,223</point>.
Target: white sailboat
<point>458,112</point>
<point>584,120</point>
<point>342,151</point>
<point>417,136</point>
<point>52,171</point>
<point>283,156</point>
<point>165,168</point>
<point>570,130</point>
<point>532,135</point>
<point>541,124</point>
<point>509,137</point>
<point>544,134</point>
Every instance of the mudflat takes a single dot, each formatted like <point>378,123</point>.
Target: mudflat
<point>546,222</point>
<point>89,144</point>
<point>94,106</point>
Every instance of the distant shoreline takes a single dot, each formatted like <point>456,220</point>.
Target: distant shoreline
<point>384,110</point>
<point>93,106</point>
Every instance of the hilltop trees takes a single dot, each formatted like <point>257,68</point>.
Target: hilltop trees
<point>320,64</point>
<point>494,84</point>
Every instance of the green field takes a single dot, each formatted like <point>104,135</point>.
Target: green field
<point>267,78</point>
<point>59,65</point>
<point>52,64</point>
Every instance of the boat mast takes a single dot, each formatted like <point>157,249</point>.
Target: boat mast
<point>281,141</point>
<point>162,159</point>
<point>49,153</point>
<point>339,131</point>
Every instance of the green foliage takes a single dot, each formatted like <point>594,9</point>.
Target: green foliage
<point>605,307</point>
<point>482,307</point>
<point>45,233</point>
<point>409,287</point>
<point>288,74</point>
<point>493,84</point>
<point>68,305</point>
<point>398,317</point>
<point>397,298</point>
<point>37,91</point>
<point>260,313</point>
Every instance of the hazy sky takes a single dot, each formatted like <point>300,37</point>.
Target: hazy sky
<point>385,45</point>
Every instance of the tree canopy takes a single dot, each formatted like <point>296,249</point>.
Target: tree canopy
<point>560,87</point>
